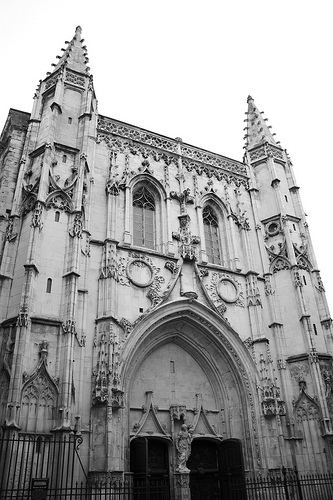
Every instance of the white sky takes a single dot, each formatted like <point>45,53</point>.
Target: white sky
<point>184,69</point>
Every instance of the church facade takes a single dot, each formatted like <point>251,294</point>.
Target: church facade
<point>159,301</point>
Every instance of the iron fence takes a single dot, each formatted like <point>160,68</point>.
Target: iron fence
<point>47,466</point>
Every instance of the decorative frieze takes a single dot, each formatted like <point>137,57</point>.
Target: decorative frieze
<point>266,151</point>
<point>52,80</point>
<point>74,79</point>
<point>122,130</point>
<point>193,158</point>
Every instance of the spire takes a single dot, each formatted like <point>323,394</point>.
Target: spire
<point>75,56</point>
<point>257,130</point>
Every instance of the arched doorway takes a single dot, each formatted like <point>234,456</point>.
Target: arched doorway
<point>217,470</point>
<point>150,468</point>
<point>179,368</point>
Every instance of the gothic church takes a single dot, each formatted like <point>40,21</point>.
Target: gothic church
<point>149,290</point>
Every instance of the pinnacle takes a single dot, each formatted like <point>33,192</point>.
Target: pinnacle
<point>257,130</point>
<point>74,56</point>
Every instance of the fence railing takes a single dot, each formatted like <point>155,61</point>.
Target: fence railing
<point>48,466</point>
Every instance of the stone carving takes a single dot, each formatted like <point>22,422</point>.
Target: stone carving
<point>125,147</point>
<point>40,390</point>
<point>212,159</point>
<point>36,219</point>
<point>252,291</point>
<point>271,402</point>
<point>69,328</point>
<point>52,80</point>
<point>297,278</point>
<point>126,325</point>
<point>106,380</point>
<point>132,133</point>
<point>183,447</point>
<point>219,174</point>
<point>184,198</point>
<point>182,489</point>
<point>23,318</point>
<point>70,181</point>
<point>266,151</point>
<point>59,202</point>
<point>171,266</point>
<point>320,285</point>
<point>281,364</point>
<point>307,409</point>
<point>185,238</point>
<point>299,371</point>
<point>178,412</point>
<point>234,296</point>
<point>61,197</point>
<point>112,267</point>
<point>74,79</point>
<point>154,292</point>
<point>140,272</point>
<point>193,159</point>
<point>76,230</point>
<point>268,286</point>
<point>280,264</point>
<point>146,168</point>
<point>11,234</point>
<point>313,355</point>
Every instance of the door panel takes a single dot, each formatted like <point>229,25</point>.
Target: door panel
<point>217,470</point>
<point>150,465</point>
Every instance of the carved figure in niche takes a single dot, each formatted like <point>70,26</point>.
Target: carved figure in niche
<point>183,446</point>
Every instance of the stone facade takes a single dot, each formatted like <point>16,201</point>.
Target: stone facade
<point>147,284</point>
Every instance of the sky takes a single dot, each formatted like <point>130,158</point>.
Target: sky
<point>185,68</point>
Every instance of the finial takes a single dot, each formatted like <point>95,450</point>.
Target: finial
<point>78,32</point>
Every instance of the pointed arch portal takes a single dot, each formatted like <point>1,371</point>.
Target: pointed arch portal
<point>189,366</point>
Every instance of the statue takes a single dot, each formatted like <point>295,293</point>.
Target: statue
<point>183,446</point>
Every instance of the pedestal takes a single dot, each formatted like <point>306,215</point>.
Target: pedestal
<point>182,486</point>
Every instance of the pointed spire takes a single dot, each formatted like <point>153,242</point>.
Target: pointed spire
<point>257,130</point>
<point>75,55</point>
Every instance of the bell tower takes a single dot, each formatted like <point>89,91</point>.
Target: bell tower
<point>299,317</point>
<point>50,220</point>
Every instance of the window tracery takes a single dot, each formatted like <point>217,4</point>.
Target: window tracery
<point>144,218</point>
<point>212,237</point>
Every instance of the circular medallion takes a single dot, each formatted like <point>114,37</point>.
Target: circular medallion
<point>227,290</point>
<point>273,228</point>
<point>140,272</point>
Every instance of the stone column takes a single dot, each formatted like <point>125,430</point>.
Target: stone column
<point>182,485</point>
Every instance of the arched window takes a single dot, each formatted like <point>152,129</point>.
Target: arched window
<point>212,237</point>
<point>143,218</point>
<point>48,285</point>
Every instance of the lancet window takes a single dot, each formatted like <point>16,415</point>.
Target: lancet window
<point>212,236</point>
<point>144,218</point>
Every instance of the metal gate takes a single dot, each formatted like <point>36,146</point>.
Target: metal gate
<point>41,462</point>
